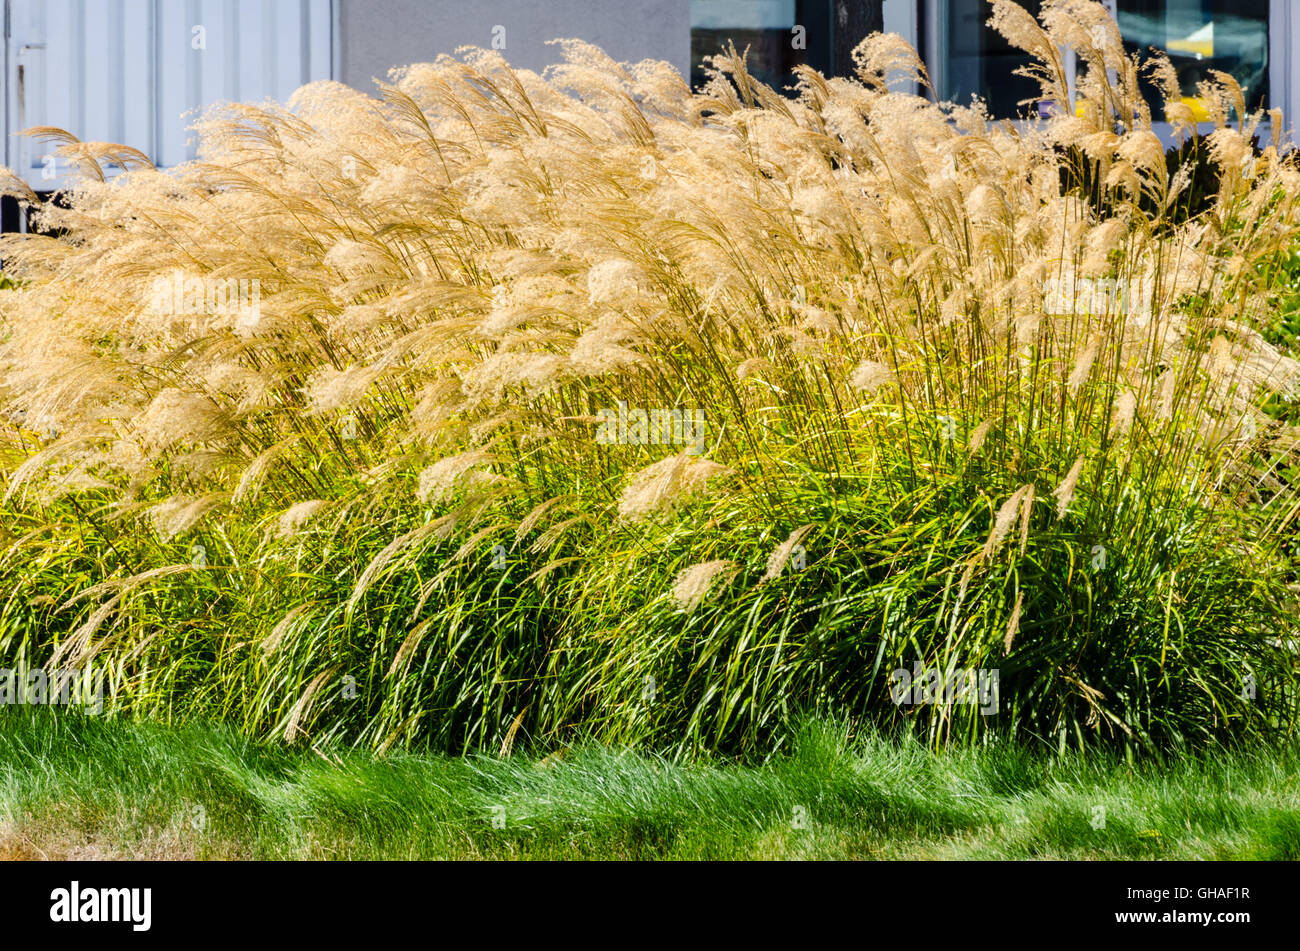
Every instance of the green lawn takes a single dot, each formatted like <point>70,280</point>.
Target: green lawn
<point>77,786</point>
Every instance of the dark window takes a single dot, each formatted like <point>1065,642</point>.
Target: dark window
<point>979,62</point>
<point>768,29</point>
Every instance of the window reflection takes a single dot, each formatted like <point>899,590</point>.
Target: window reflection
<point>1199,36</point>
<point>1202,35</point>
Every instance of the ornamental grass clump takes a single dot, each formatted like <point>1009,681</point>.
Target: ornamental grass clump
<point>344,374</point>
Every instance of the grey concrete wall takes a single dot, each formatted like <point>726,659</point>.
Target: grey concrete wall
<point>376,35</point>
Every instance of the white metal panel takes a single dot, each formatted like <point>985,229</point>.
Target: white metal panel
<point>1283,74</point>
<point>174,88</point>
<point>138,71</point>
<point>136,119</point>
<point>97,101</point>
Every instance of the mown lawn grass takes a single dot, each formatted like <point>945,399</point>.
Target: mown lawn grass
<point>73,786</point>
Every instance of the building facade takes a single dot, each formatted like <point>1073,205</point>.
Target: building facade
<point>129,70</point>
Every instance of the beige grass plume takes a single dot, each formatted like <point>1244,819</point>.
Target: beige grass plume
<point>693,584</point>
<point>1005,519</point>
<point>666,483</point>
<point>780,555</point>
<point>298,515</point>
<point>1064,492</point>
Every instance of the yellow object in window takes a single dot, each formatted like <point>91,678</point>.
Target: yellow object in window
<point>1199,44</point>
<point>1197,105</point>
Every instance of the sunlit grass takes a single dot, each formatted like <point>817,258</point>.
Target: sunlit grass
<point>379,507</point>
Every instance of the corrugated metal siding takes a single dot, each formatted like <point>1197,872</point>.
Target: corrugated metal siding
<point>129,71</point>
